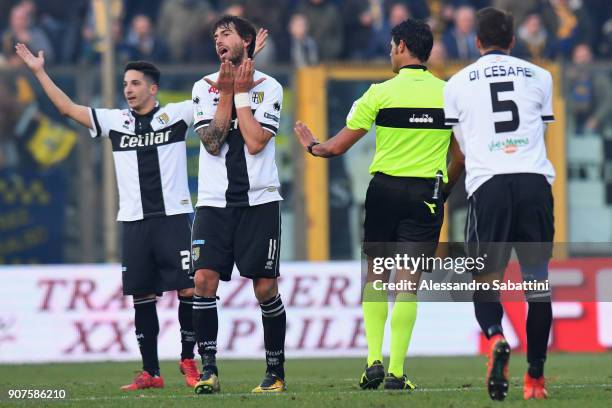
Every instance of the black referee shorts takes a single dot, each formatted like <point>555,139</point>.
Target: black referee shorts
<point>155,255</point>
<point>511,211</point>
<point>247,236</point>
<point>402,210</point>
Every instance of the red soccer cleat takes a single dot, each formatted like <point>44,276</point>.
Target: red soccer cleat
<point>497,368</point>
<point>189,369</point>
<point>144,380</point>
<point>534,388</point>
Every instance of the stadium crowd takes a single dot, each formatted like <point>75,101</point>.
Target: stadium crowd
<point>302,32</point>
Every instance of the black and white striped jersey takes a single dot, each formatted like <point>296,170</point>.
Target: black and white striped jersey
<point>236,178</point>
<point>150,158</point>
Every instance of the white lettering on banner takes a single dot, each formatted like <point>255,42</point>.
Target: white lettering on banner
<point>604,309</point>
<point>81,314</point>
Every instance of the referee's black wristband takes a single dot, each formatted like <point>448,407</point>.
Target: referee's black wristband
<point>310,146</point>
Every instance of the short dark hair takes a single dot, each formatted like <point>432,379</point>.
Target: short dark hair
<point>494,28</point>
<point>244,28</point>
<point>149,70</point>
<point>416,35</point>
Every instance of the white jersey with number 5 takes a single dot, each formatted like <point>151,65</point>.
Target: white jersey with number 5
<point>498,107</point>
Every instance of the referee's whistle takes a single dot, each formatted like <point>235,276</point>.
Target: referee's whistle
<point>439,177</point>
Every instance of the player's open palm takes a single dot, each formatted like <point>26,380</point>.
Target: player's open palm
<point>35,63</point>
<point>243,81</point>
<point>303,133</point>
<point>260,41</point>
<point>225,80</point>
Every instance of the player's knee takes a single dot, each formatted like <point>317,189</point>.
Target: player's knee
<point>206,282</point>
<point>265,289</point>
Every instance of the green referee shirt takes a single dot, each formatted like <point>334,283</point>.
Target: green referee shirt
<point>411,137</point>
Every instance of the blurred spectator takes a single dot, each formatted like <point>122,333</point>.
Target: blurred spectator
<point>200,45</point>
<point>91,50</point>
<point>63,25</point>
<point>361,18</point>
<point>460,41</point>
<point>326,27</point>
<point>380,44</point>
<point>10,110</point>
<point>22,30</point>
<point>418,9</point>
<point>148,45</point>
<point>438,54</point>
<point>519,9</point>
<point>273,16</point>
<point>532,40</point>
<point>303,47</point>
<point>178,19</point>
<point>589,96</point>
<point>149,8</point>
<point>569,23</point>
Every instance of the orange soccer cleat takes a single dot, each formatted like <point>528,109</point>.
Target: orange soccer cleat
<point>534,388</point>
<point>144,380</point>
<point>189,368</point>
<point>497,368</point>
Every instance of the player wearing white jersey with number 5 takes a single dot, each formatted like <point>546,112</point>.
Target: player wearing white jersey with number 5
<point>498,107</point>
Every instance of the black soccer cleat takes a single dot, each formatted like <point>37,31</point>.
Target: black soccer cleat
<point>497,374</point>
<point>372,376</point>
<point>208,384</point>
<point>398,383</point>
<point>270,384</point>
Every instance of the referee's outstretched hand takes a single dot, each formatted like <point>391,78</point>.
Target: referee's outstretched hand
<point>303,133</point>
<point>36,64</point>
<point>225,80</point>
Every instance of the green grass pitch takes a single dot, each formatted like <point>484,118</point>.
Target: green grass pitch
<point>577,380</point>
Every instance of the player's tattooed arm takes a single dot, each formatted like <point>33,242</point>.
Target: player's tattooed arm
<point>213,136</point>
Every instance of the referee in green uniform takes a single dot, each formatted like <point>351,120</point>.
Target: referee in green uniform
<point>405,198</point>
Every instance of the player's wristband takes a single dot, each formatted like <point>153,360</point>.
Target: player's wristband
<point>242,100</point>
<point>310,146</point>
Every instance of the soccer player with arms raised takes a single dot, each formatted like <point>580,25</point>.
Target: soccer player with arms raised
<point>236,115</point>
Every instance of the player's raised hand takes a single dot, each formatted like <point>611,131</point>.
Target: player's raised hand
<point>35,63</point>
<point>303,133</point>
<point>260,41</point>
<point>225,80</point>
<point>243,81</point>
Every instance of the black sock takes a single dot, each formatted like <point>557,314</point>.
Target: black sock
<point>539,321</point>
<point>206,326</point>
<point>185,315</point>
<point>489,316</point>
<point>275,325</point>
<point>147,329</point>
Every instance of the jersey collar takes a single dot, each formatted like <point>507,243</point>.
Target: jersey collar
<point>414,66</point>
<point>150,113</point>
<point>494,52</point>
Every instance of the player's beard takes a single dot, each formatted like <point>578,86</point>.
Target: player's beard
<point>236,55</point>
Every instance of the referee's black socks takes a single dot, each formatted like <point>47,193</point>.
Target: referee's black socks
<point>275,325</point>
<point>147,329</point>
<point>185,316</point>
<point>206,327</point>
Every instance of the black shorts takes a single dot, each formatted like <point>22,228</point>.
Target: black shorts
<point>155,255</point>
<point>402,209</point>
<point>511,211</point>
<point>247,236</point>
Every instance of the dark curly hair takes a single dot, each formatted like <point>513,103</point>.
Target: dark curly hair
<point>416,35</point>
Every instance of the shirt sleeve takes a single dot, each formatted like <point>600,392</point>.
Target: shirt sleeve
<point>451,111</point>
<point>364,110</point>
<point>547,110</point>
<point>203,108</point>
<point>186,112</point>
<point>268,112</point>
<point>101,121</point>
